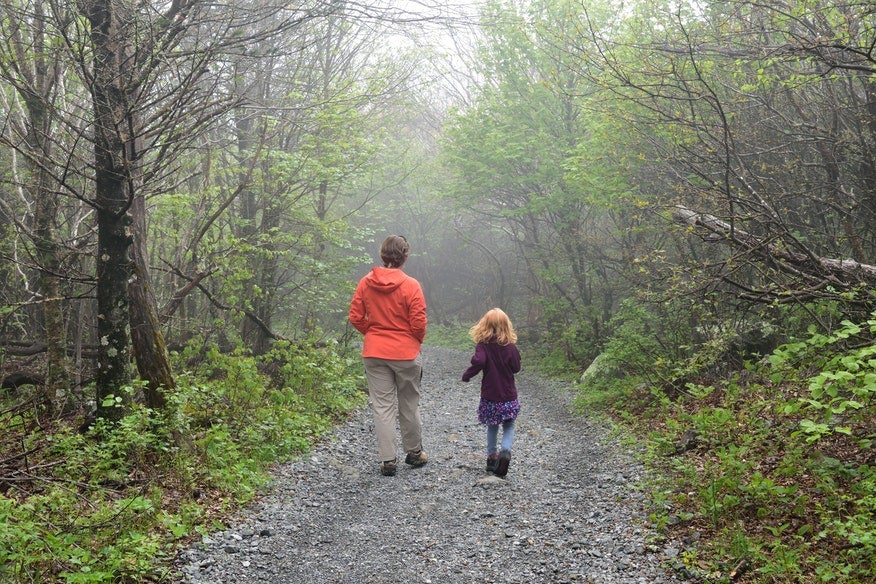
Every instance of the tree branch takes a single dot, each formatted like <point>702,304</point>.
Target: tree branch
<point>843,271</point>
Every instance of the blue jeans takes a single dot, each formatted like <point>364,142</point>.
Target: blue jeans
<point>493,436</point>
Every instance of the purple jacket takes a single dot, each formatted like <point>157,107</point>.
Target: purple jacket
<point>499,364</point>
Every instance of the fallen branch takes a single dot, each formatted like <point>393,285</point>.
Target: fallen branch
<point>14,380</point>
<point>738,570</point>
<point>31,348</point>
<point>762,247</point>
<point>174,303</point>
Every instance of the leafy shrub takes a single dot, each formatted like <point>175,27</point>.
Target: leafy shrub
<point>565,341</point>
<point>112,501</point>
<point>646,348</point>
<point>839,372</point>
<point>94,520</point>
<point>843,388</point>
<point>782,476</point>
<point>272,406</point>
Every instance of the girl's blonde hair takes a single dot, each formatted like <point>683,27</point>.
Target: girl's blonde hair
<point>495,323</point>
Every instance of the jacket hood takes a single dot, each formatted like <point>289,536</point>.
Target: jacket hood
<point>385,279</point>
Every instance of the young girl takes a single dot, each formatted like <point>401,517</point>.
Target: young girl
<point>497,356</point>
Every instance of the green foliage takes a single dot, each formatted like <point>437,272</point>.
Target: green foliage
<point>856,524</point>
<point>569,339</point>
<point>453,336</point>
<point>109,452</point>
<point>647,346</point>
<point>540,157</point>
<point>119,496</point>
<point>780,475</point>
<point>843,388</point>
<point>102,546</point>
<point>255,411</point>
<point>95,521</point>
<point>635,343</point>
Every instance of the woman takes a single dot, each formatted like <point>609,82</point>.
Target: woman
<point>389,309</point>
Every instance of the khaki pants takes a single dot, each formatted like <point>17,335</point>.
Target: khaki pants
<point>394,389</point>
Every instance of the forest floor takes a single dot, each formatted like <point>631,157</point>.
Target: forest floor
<point>568,511</point>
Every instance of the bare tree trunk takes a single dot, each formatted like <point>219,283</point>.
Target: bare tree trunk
<point>37,96</point>
<point>113,200</point>
<point>868,168</point>
<point>150,349</point>
<point>32,70</point>
<point>244,123</point>
<point>125,297</point>
<point>48,257</point>
<point>113,270</point>
<point>256,221</point>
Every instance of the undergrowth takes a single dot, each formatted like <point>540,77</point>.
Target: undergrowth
<point>110,503</point>
<point>451,336</point>
<point>769,471</point>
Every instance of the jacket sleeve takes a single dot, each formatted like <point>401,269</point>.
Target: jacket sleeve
<point>514,358</point>
<point>477,363</point>
<point>417,312</point>
<point>358,317</point>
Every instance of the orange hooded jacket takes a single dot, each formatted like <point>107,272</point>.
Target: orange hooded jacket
<point>389,308</point>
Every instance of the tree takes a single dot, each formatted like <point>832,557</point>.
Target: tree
<point>760,115</point>
<point>539,154</point>
<point>157,80</point>
<point>321,150</point>
<point>28,62</point>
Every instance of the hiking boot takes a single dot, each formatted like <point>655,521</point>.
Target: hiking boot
<point>388,467</point>
<point>502,465</point>
<point>492,462</point>
<point>416,458</point>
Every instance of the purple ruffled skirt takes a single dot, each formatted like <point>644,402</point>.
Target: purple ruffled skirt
<point>494,413</point>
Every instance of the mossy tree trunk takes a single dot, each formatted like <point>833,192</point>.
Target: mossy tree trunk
<point>150,349</point>
<point>126,307</point>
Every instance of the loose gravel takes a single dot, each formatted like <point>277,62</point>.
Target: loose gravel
<point>568,511</point>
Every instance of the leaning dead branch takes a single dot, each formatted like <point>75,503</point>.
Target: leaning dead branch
<point>843,272</point>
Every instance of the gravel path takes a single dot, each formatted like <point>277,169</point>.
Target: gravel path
<point>566,512</point>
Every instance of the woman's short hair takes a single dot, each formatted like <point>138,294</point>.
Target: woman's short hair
<point>394,251</point>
